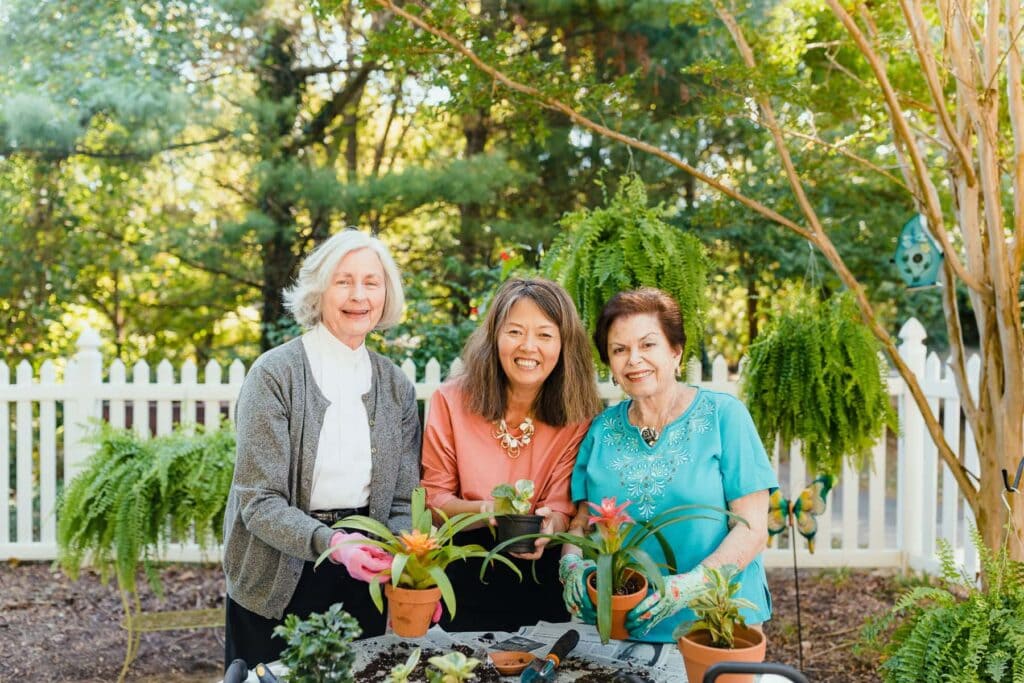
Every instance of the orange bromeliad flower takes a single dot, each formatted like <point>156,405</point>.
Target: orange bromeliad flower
<point>418,543</point>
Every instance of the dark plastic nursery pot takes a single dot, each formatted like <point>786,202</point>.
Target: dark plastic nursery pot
<point>510,526</point>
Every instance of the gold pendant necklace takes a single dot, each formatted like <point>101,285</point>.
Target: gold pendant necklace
<point>513,444</point>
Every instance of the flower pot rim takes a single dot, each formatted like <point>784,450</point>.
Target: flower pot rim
<point>745,633</point>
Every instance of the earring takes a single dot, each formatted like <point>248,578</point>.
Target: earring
<point>679,372</point>
<point>615,382</point>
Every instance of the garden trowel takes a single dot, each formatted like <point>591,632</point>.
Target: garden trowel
<point>544,669</point>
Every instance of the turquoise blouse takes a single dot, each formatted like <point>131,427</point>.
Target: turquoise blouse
<point>710,455</point>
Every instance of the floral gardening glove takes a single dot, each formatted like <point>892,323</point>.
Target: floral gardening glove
<point>680,589</point>
<point>573,571</point>
<point>363,561</point>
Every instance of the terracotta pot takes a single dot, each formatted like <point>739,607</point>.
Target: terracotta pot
<point>621,604</point>
<point>698,654</point>
<point>510,526</point>
<point>410,609</point>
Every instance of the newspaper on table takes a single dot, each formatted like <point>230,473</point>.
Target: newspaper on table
<point>656,662</point>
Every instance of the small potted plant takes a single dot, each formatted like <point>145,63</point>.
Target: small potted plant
<point>624,568</point>
<point>319,647</point>
<point>402,673</point>
<point>416,579</point>
<point>453,667</point>
<point>720,633</point>
<point>512,512</point>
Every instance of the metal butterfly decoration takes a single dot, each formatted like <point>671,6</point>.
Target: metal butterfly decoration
<point>804,511</point>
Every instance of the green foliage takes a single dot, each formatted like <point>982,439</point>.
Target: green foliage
<point>717,608</point>
<point>626,245</point>
<point>135,496</point>
<point>421,554</point>
<point>816,375</point>
<point>319,648</point>
<point>452,668</point>
<point>957,631</point>
<point>615,545</point>
<point>400,673</point>
<point>513,500</point>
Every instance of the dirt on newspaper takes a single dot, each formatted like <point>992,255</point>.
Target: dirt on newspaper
<point>55,629</point>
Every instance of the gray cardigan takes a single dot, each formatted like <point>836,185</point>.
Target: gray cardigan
<point>267,533</point>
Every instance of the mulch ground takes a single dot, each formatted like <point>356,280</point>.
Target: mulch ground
<point>55,629</point>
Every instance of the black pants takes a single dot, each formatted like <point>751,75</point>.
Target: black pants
<point>249,636</point>
<point>504,603</point>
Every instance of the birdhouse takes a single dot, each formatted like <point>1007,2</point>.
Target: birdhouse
<point>917,256</point>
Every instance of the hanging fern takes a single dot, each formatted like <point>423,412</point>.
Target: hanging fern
<point>957,632</point>
<point>134,496</point>
<point>626,245</point>
<point>816,375</point>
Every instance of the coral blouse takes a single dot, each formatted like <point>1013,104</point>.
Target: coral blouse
<point>462,459</point>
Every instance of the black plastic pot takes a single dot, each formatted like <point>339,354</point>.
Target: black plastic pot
<point>510,526</point>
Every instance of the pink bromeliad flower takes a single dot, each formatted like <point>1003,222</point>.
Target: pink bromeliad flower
<point>609,517</point>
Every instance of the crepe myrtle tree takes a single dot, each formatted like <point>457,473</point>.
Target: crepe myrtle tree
<point>942,99</point>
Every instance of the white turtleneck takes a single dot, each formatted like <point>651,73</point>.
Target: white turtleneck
<point>341,475</point>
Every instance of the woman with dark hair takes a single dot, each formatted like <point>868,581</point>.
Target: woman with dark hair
<point>518,410</point>
<point>671,444</point>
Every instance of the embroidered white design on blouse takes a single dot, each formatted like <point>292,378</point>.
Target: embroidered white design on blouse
<point>645,472</point>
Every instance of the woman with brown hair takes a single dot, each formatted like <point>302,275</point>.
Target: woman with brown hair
<point>518,410</point>
<point>671,444</point>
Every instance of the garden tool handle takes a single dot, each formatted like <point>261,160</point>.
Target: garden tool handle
<point>563,646</point>
<point>237,672</point>
<point>544,669</point>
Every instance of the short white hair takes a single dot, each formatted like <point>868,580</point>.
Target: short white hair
<point>303,298</point>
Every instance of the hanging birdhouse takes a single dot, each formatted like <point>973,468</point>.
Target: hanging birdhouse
<point>917,256</point>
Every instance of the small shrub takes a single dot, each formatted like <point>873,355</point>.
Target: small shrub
<point>319,648</point>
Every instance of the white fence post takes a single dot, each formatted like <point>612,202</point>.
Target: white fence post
<point>911,465</point>
<point>83,379</point>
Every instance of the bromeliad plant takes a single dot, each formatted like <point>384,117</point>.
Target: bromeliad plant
<point>615,545</point>
<point>421,554</point>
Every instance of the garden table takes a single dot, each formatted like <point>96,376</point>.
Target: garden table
<point>589,661</point>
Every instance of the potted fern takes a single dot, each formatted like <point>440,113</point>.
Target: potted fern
<point>720,633</point>
<point>624,245</point>
<point>816,375</point>
<point>512,503</point>
<point>131,499</point>
<point>416,579</point>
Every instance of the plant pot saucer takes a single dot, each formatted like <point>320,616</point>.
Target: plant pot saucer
<point>510,663</point>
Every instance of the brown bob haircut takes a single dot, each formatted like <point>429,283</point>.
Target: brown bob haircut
<point>646,300</point>
<point>568,395</point>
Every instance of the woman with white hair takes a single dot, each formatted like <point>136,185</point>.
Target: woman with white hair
<point>326,429</point>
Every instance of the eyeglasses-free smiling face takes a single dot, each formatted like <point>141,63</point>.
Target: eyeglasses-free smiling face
<point>529,345</point>
<point>353,303</point>
<point>640,356</point>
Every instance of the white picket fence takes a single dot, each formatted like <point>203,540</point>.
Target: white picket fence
<point>888,515</point>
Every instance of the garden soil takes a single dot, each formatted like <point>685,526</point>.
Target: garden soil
<point>55,629</point>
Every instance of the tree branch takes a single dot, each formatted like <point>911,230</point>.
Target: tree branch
<point>817,236</point>
<point>315,129</point>
<point>915,21</point>
<point>821,240</point>
<point>932,206</point>
<point>584,122</point>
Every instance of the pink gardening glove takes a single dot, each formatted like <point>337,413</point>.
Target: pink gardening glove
<point>363,561</point>
<point>437,613</point>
